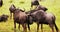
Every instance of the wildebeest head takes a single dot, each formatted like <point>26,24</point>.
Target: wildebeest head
<point>40,7</point>
<point>18,10</point>
<point>1,3</point>
<point>3,18</point>
<point>12,8</point>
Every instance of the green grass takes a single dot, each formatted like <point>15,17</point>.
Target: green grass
<point>52,5</point>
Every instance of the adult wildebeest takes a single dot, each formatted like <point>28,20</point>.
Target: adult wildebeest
<point>20,17</point>
<point>34,3</point>
<point>41,17</point>
<point>1,3</point>
<point>3,18</point>
<point>39,7</point>
<point>11,9</point>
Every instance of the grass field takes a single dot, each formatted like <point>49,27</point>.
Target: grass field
<point>52,5</point>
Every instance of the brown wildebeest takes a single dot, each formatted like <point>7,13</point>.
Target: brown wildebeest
<point>1,3</point>
<point>3,18</point>
<point>34,2</point>
<point>12,9</point>
<point>41,17</point>
<point>20,17</point>
<point>39,7</point>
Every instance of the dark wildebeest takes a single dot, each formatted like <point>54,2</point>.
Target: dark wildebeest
<point>20,17</point>
<point>1,3</point>
<point>11,9</point>
<point>34,3</point>
<point>39,7</point>
<point>3,18</point>
<point>41,17</point>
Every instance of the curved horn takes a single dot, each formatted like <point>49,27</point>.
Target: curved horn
<point>24,9</point>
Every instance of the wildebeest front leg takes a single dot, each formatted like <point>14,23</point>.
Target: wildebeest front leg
<point>52,27</point>
<point>19,26</point>
<point>28,27</point>
<point>41,27</point>
<point>14,26</point>
<point>37,27</point>
<point>31,4</point>
<point>10,15</point>
<point>24,28</point>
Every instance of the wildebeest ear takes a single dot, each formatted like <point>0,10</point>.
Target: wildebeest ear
<point>45,9</point>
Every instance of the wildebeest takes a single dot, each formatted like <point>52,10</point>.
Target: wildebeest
<point>20,17</point>
<point>1,3</point>
<point>41,17</point>
<point>3,18</point>
<point>39,7</point>
<point>12,9</point>
<point>34,3</point>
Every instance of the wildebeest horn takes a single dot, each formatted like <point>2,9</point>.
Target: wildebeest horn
<point>24,9</point>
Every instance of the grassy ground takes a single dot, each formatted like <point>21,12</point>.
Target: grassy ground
<point>52,5</point>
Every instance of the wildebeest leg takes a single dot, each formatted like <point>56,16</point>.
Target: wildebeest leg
<point>19,26</point>
<point>31,5</point>
<point>57,30</point>
<point>24,27</point>
<point>52,27</point>
<point>10,15</point>
<point>41,27</point>
<point>37,27</point>
<point>28,27</point>
<point>14,26</point>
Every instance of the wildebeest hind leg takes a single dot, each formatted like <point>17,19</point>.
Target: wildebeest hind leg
<point>52,27</point>
<point>14,26</point>
<point>24,28</point>
<point>19,26</point>
<point>37,27</point>
<point>57,30</point>
<point>41,27</point>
